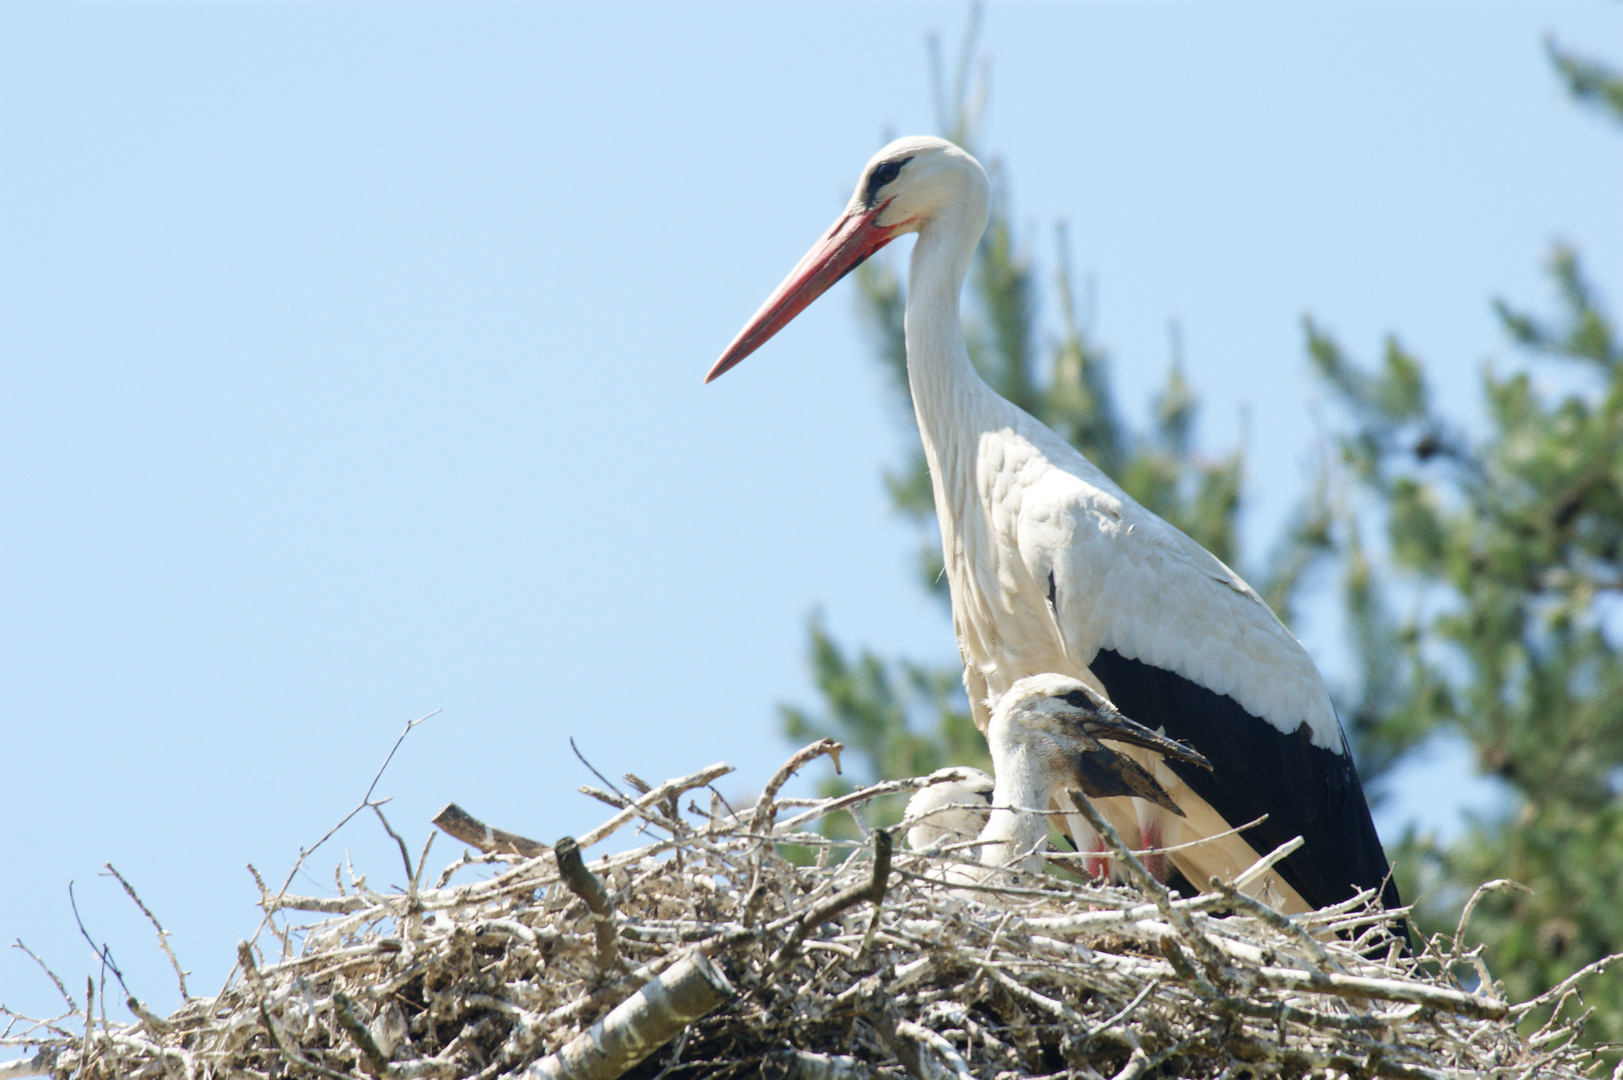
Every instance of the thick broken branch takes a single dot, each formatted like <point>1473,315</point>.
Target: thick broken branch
<point>641,1024</point>
<point>585,885</point>
<point>458,824</point>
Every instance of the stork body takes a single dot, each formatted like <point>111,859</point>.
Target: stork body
<point>1053,568</point>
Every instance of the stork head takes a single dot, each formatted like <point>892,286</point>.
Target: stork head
<point>905,187</point>
<point>1061,724</point>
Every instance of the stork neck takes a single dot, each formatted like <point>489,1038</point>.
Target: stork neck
<point>946,388</point>
<point>1011,831</point>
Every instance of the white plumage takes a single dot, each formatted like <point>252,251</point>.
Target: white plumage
<point>1054,569</point>
<point>951,810</point>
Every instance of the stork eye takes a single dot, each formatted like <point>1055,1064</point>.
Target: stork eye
<point>883,173</point>
<point>1079,699</point>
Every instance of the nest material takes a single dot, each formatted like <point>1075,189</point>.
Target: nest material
<point>706,954</point>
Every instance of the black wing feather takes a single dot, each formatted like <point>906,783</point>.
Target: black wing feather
<point>1306,790</point>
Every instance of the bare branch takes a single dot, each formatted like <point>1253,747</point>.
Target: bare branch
<point>583,884</point>
<point>765,812</point>
<point>461,825</point>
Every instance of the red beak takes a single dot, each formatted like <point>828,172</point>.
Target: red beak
<point>853,238</point>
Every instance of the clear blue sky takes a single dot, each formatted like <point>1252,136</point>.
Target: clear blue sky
<point>350,366</point>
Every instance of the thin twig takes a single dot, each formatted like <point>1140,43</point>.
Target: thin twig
<point>305,853</point>
<point>163,935</point>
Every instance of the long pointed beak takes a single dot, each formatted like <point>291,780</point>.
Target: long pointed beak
<point>1111,724</point>
<point>852,239</point>
<point>1102,772</point>
<point>1105,774</point>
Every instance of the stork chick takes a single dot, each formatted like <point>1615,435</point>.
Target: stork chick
<point>952,809</point>
<point>1046,737</point>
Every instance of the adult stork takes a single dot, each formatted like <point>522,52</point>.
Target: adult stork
<point>1048,733</point>
<point>1053,568</point>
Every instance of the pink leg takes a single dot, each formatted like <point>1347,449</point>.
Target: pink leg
<point>1098,867</point>
<point>1150,837</point>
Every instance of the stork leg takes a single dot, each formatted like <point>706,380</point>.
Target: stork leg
<point>1149,835</point>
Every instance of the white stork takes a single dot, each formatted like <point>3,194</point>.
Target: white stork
<point>1045,735</point>
<point>1053,568</point>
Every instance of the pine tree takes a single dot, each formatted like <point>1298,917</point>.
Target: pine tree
<point>1513,546</point>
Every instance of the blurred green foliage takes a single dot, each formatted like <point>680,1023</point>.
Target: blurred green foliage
<point>1507,548</point>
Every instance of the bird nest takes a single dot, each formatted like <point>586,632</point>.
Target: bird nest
<point>707,953</point>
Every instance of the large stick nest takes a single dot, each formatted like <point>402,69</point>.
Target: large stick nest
<point>1040,976</point>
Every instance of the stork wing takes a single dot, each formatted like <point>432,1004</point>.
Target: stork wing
<point>1181,644</point>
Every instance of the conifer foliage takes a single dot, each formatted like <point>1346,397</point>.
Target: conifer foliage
<point>1510,548</point>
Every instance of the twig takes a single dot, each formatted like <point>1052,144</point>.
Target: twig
<point>795,1064</point>
<point>1564,985</point>
<point>163,935</point>
<point>585,885</point>
<point>366,800</point>
<point>1157,892</point>
<point>1078,856</point>
<point>90,1018</point>
<point>1126,1010</point>
<point>422,864</point>
<point>765,811</point>
<point>373,1059</point>
<point>1359,987</point>
<point>328,905</point>
<point>405,856</point>
<point>829,807</point>
<point>1246,878</point>
<point>73,1006</point>
<point>659,794</point>
<point>1496,885</point>
<point>952,1062</point>
<point>104,952</point>
<point>305,853</point>
<point>1252,906</point>
<point>872,891</point>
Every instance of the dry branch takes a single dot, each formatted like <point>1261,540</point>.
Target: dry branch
<point>458,824</point>
<point>585,885</point>
<point>762,819</point>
